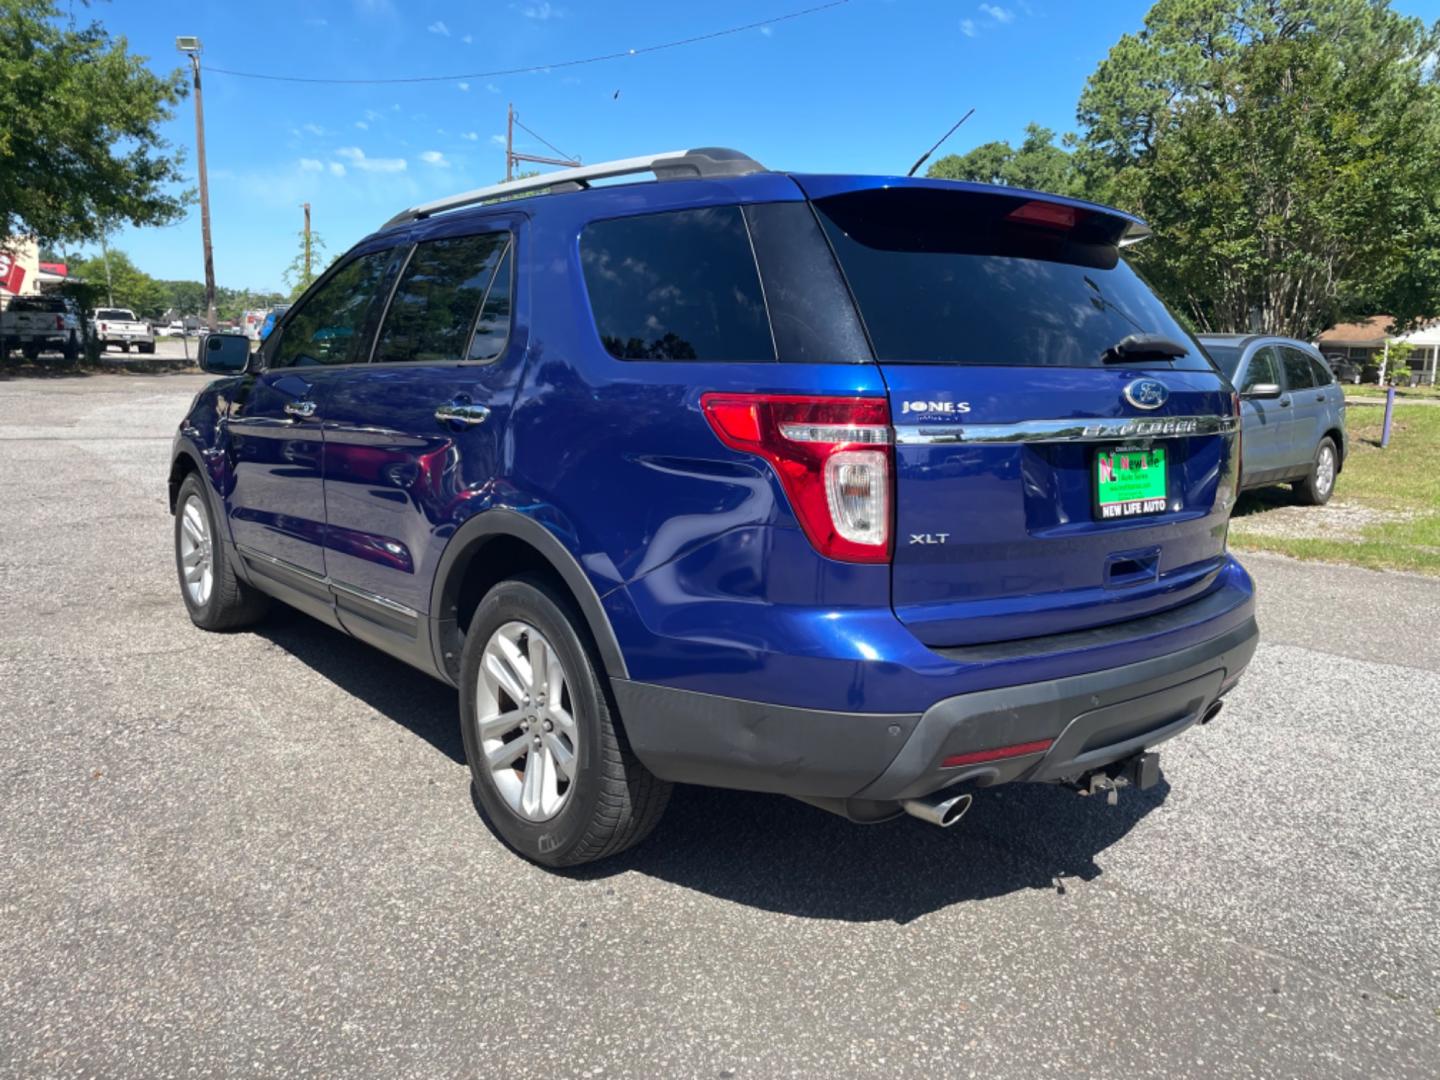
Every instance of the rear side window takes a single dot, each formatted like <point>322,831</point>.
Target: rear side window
<point>1321,373</point>
<point>680,285</point>
<point>954,277</point>
<point>1297,369</point>
<point>438,298</point>
<point>492,329</point>
<point>329,325</point>
<point>1263,368</point>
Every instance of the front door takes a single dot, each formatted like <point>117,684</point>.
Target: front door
<point>1265,445</point>
<point>413,438</point>
<point>276,502</point>
<point>1307,408</point>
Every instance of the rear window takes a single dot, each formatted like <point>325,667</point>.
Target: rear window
<point>680,285</point>
<point>37,303</point>
<point>953,278</point>
<point>114,313</point>
<point>438,298</point>
<point>1226,357</point>
<point>1298,375</point>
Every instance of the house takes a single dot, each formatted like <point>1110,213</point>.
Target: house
<point>1366,343</point>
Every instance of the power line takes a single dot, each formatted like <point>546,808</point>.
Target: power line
<point>542,138</point>
<point>541,67</point>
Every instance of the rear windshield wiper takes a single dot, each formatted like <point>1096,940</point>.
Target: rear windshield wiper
<point>1143,347</point>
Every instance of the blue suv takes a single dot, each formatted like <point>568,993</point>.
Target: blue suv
<point>871,491</point>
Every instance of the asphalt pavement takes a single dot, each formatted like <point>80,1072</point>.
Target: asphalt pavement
<point>257,853</point>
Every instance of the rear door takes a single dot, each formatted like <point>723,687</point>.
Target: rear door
<point>1039,489</point>
<point>1307,407</point>
<point>1266,445</point>
<point>414,435</point>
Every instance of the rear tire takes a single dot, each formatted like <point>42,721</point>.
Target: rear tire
<point>146,348</point>
<point>1319,484</point>
<point>214,596</point>
<point>554,720</point>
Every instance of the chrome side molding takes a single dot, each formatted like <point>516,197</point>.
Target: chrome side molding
<point>1051,431</point>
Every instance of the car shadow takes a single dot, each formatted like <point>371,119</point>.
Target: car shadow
<point>771,852</point>
<point>393,689</point>
<point>775,853</point>
<point>1263,499</point>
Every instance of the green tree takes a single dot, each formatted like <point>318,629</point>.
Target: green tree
<point>184,297</point>
<point>80,143</point>
<point>1286,152</point>
<point>1038,164</point>
<point>130,286</point>
<point>298,275</point>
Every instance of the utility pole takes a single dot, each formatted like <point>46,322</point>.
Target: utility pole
<point>105,257</point>
<point>190,46</point>
<point>308,278</point>
<point>512,156</point>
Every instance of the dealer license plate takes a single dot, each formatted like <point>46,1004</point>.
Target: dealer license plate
<point>1130,481</point>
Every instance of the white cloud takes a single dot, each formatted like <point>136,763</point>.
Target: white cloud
<point>313,129</point>
<point>438,27</point>
<point>309,164</point>
<point>967,27</point>
<point>767,31</point>
<point>999,14</point>
<point>336,169</point>
<point>498,140</point>
<point>358,160</point>
<point>470,136</point>
<point>492,88</point>
<point>362,125</point>
<point>436,158</point>
<point>543,10</point>
<point>467,39</point>
<point>463,85</point>
<point>372,115</point>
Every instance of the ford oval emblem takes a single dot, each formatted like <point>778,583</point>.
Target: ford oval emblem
<point>1147,393</point>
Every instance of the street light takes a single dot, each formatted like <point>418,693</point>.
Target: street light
<point>190,46</point>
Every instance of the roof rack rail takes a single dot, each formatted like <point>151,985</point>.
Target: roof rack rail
<point>706,161</point>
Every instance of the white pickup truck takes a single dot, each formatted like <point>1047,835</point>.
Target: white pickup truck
<point>33,323</point>
<point>118,326</point>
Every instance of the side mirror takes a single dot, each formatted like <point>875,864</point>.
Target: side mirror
<point>1265,391</point>
<point>225,354</point>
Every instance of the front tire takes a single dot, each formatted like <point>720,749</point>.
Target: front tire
<point>552,769</point>
<point>1319,485</point>
<point>214,596</point>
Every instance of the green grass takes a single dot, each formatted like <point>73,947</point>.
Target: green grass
<point>1370,390</point>
<point>1400,485</point>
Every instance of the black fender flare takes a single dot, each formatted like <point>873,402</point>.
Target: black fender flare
<point>501,521</point>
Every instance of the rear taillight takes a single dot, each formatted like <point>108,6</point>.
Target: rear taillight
<point>833,457</point>
<point>59,322</point>
<point>976,757</point>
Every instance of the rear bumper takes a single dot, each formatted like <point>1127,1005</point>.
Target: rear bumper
<point>1089,720</point>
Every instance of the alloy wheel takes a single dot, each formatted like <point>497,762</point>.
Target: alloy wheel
<point>1325,470</point>
<point>197,556</point>
<point>526,721</point>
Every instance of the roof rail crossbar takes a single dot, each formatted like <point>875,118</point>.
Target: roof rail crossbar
<point>706,161</point>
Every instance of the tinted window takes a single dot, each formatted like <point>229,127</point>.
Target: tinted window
<point>1263,368</point>
<point>437,299</point>
<point>115,313</point>
<point>37,303</point>
<point>676,286</point>
<point>1227,356</point>
<point>956,277</point>
<point>1321,373</point>
<point>1297,370</point>
<point>811,312</point>
<point>328,326</point>
<point>492,329</point>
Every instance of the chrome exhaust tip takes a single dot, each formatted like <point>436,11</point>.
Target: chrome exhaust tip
<point>939,809</point>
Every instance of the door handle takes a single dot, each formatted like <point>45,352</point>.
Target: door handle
<point>1284,403</point>
<point>469,415</point>
<point>300,410</point>
<point>1319,397</point>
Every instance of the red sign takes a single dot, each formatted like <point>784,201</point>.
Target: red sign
<point>12,274</point>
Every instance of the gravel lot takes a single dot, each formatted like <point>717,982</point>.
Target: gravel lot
<point>258,853</point>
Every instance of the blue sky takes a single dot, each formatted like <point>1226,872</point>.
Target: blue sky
<point>863,87</point>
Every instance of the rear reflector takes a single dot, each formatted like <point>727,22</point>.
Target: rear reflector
<point>975,757</point>
<point>832,456</point>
